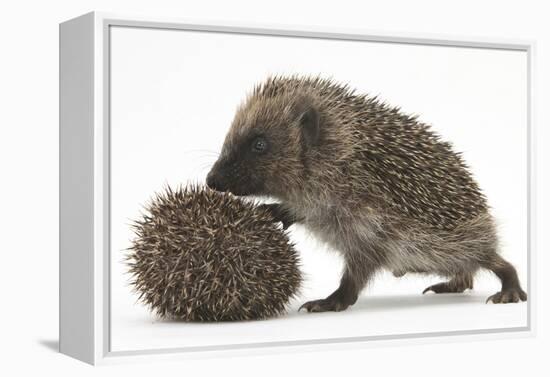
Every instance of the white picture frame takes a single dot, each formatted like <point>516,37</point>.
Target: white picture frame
<point>85,152</point>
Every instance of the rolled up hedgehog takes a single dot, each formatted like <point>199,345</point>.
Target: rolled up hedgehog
<point>202,255</point>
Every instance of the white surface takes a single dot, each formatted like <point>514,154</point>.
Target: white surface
<point>29,165</point>
<point>174,94</point>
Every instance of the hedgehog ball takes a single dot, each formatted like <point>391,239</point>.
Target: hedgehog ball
<point>202,255</point>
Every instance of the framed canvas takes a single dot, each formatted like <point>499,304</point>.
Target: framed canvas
<point>146,102</point>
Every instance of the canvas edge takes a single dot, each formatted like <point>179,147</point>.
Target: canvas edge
<point>532,215</point>
<point>311,31</point>
<point>76,190</point>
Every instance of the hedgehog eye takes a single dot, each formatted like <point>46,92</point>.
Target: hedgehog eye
<point>259,145</point>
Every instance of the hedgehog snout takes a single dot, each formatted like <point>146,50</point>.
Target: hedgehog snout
<point>214,181</point>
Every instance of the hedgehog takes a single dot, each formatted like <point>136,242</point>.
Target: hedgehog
<point>374,183</point>
<point>202,255</point>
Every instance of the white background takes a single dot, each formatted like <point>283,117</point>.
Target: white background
<point>173,96</point>
<point>29,155</point>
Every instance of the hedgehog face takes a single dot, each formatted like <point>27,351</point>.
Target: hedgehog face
<point>241,168</point>
<point>264,150</point>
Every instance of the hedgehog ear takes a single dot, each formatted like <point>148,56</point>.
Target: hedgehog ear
<point>309,123</point>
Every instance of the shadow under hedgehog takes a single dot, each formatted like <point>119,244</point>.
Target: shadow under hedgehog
<point>372,182</point>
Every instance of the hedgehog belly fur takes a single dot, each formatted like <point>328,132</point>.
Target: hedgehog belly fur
<point>445,252</point>
<point>409,247</point>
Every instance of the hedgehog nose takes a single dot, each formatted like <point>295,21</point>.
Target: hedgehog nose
<point>213,182</point>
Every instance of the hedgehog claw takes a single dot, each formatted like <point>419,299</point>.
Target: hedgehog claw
<point>323,305</point>
<point>452,286</point>
<point>511,295</point>
<point>443,288</point>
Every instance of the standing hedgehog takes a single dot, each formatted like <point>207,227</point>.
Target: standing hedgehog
<point>375,184</point>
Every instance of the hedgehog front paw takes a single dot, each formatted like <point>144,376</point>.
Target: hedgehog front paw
<point>508,296</point>
<point>280,214</point>
<point>324,305</point>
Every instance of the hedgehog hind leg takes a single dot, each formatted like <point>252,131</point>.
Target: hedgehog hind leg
<point>511,289</point>
<point>458,284</point>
